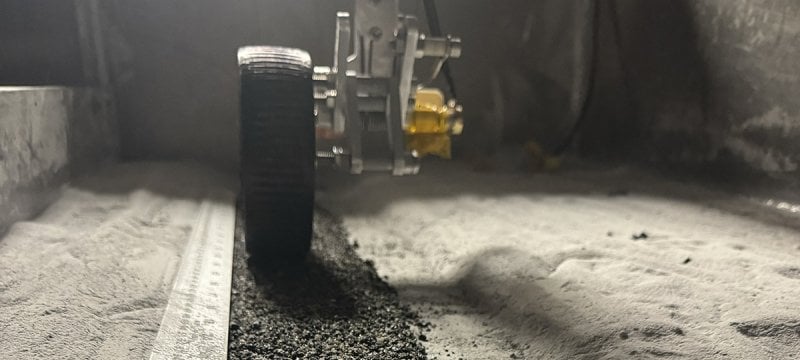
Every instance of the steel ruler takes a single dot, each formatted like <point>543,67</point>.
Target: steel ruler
<point>195,322</point>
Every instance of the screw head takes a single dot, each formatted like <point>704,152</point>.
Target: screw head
<point>376,32</point>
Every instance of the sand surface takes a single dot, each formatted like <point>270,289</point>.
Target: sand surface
<point>558,266</point>
<point>90,277</point>
<point>502,265</point>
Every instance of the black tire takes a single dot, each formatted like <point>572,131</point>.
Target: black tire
<point>278,152</point>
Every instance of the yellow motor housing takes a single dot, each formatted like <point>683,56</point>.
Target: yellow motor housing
<point>430,125</point>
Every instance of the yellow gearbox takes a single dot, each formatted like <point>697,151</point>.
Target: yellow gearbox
<point>431,124</point>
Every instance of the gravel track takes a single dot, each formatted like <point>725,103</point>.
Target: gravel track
<point>333,307</point>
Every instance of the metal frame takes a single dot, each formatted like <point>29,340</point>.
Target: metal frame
<point>373,72</point>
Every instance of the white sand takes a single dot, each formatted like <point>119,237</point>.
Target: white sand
<point>90,277</point>
<point>544,266</point>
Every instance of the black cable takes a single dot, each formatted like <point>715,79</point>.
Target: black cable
<point>628,87</point>
<point>436,30</point>
<point>587,99</point>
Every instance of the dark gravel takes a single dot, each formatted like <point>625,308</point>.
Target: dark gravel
<point>333,307</point>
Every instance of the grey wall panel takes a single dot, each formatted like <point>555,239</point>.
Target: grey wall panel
<point>712,82</point>
<point>48,134</point>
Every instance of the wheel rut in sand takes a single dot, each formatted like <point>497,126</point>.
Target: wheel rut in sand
<point>771,328</point>
<point>790,272</point>
<point>332,307</point>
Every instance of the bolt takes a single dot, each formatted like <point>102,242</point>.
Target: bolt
<point>376,32</point>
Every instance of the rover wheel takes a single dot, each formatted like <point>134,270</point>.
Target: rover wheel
<point>277,151</point>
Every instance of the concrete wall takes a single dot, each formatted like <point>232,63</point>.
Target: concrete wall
<point>48,134</point>
<point>710,82</point>
<point>751,51</point>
